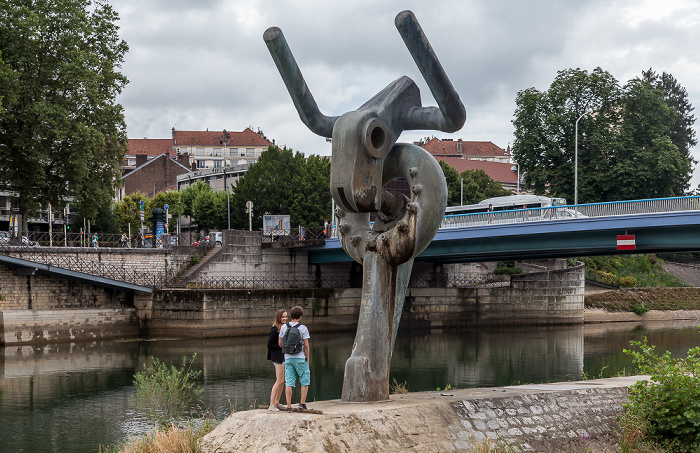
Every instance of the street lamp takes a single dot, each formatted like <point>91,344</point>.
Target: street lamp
<point>576,156</point>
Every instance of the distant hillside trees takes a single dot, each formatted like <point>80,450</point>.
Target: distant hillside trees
<point>634,144</point>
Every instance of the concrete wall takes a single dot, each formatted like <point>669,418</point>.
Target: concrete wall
<point>41,292</point>
<point>212,313</point>
<point>53,326</point>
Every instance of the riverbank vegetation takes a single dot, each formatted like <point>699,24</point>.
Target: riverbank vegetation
<point>630,271</point>
<point>164,395</point>
<point>663,413</point>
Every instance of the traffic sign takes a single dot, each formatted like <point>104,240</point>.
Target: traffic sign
<point>165,207</point>
<point>626,242</point>
<point>142,206</point>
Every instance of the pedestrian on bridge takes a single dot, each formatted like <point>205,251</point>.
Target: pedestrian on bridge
<point>94,240</point>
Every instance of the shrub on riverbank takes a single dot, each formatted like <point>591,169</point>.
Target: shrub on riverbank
<point>663,414</point>
<point>630,270</point>
<point>172,440</point>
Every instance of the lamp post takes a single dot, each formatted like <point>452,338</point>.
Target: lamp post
<point>576,157</point>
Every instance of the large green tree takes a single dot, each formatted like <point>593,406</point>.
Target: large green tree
<point>62,134</point>
<point>283,182</point>
<point>625,149</point>
<point>681,130</point>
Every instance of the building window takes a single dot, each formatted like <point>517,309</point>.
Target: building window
<point>201,163</point>
<point>233,152</point>
<point>217,152</point>
<point>250,152</point>
<point>217,164</point>
<point>200,151</point>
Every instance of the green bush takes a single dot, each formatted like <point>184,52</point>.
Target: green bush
<point>164,394</point>
<point>507,268</point>
<point>664,410</point>
<point>628,281</point>
<point>607,278</point>
<point>639,308</point>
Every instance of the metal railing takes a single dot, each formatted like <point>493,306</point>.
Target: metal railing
<point>568,212</point>
<point>299,233</point>
<point>95,268</point>
<point>264,282</point>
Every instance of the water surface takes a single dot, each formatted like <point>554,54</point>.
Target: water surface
<point>74,397</point>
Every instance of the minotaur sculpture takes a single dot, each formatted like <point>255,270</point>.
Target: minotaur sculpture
<point>365,158</point>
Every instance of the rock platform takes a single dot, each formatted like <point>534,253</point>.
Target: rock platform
<point>555,417</point>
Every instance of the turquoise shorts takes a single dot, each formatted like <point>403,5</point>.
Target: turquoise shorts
<point>294,368</point>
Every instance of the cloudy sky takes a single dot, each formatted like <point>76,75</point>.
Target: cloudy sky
<point>203,64</point>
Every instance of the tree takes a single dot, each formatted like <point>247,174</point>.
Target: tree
<point>625,147</point>
<point>479,186</point>
<point>62,134</point>
<point>646,164</point>
<point>545,126</point>
<point>209,210</point>
<point>454,187</point>
<point>283,182</point>
<point>128,212</point>
<point>681,131</point>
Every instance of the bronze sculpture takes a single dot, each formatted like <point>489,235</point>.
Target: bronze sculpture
<point>364,140</point>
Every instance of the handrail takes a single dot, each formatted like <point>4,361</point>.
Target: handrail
<point>580,211</point>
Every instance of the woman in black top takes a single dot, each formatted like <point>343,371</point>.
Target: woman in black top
<point>274,353</point>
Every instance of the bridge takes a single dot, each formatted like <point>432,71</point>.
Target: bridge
<point>637,226</point>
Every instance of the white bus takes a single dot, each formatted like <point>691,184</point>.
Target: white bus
<point>521,208</point>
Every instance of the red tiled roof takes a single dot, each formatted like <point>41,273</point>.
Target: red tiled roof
<point>213,138</point>
<point>150,146</point>
<point>498,171</point>
<point>438,147</point>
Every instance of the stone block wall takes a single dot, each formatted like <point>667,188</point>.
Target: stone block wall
<point>38,292</point>
<point>216,313</point>
<point>59,325</point>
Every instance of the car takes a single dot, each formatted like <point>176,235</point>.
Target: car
<point>26,242</point>
<point>202,242</point>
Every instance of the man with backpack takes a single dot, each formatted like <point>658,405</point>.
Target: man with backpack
<point>294,341</point>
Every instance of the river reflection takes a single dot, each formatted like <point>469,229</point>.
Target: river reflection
<point>73,397</point>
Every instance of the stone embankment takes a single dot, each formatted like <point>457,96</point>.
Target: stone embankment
<point>559,417</point>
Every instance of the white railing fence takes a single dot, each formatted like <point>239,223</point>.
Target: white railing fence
<point>607,209</point>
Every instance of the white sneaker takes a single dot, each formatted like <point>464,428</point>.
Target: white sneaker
<point>273,409</point>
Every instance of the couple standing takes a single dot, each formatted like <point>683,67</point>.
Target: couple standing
<point>288,366</point>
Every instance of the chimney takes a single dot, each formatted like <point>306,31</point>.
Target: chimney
<point>459,146</point>
<point>141,159</point>
<point>184,159</point>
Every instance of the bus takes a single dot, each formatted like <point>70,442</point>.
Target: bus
<point>523,208</point>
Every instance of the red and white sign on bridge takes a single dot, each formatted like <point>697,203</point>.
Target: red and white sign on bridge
<point>626,242</point>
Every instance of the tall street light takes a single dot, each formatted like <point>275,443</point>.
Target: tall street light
<point>576,156</point>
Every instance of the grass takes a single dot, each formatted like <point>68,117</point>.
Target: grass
<point>171,440</point>
<point>398,388</point>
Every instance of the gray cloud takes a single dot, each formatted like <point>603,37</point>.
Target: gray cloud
<point>204,64</point>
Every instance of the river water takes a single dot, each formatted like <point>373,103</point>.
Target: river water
<point>74,397</point>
